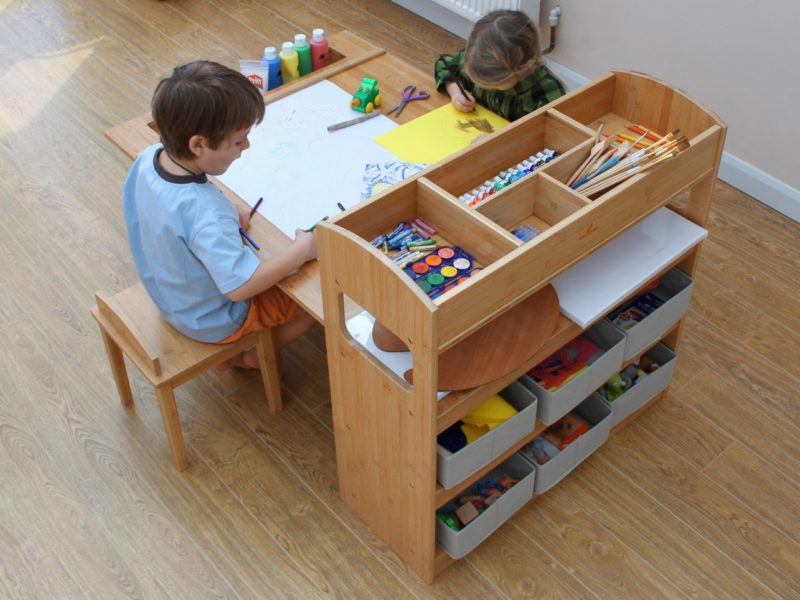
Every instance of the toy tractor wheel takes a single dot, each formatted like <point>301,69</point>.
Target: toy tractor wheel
<point>368,108</point>
<point>378,100</point>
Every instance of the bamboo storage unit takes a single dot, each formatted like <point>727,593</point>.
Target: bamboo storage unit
<point>385,428</point>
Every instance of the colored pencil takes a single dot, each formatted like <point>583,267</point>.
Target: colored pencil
<point>255,207</point>
<point>361,119</point>
<point>248,239</point>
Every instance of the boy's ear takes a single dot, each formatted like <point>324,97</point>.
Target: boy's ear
<point>197,144</point>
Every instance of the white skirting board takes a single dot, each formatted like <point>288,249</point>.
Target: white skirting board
<point>732,170</point>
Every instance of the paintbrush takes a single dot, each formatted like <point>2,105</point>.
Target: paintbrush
<point>598,147</point>
<point>651,154</point>
<point>618,154</point>
<point>620,177</point>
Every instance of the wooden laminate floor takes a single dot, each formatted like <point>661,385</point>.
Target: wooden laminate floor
<point>698,498</point>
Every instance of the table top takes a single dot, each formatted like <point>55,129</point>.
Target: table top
<point>352,59</point>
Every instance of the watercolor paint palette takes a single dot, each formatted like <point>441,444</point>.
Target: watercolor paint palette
<point>441,270</point>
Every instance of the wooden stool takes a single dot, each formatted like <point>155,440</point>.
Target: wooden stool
<point>132,326</point>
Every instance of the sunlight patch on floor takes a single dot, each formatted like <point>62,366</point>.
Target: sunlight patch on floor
<point>27,87</point>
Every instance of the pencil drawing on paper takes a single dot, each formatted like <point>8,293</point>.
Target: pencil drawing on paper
<point>481,125</point>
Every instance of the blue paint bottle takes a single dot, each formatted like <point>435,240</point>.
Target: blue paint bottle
<point>273,62</point>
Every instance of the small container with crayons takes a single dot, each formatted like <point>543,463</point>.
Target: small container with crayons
<point>434,267</point>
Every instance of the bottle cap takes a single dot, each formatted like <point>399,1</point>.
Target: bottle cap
<point>300,40</point>
<point>270,52</point>
<point>287,48</point>
<point>318,35</point>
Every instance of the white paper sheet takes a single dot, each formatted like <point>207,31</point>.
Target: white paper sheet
<point>300,168</point>
<point>603,279</point>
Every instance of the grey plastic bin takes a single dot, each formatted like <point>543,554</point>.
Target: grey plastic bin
<point>453,468</point>
<point>647,388</point>
<point>675,288</point>
<point>595,411</point>
<point>554,405</point>
<point>460,543</point>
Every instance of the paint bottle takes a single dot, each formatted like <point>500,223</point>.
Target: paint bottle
<point>289,62</point>
<point>273,63</point>
<point>319,50</point>
<point>303,54</point>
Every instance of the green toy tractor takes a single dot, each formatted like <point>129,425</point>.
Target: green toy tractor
<point>367,97</point>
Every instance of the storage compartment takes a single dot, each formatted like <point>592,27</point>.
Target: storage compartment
<point>642,329</point>
<point>453,468</point>
<point>597,414</point>
<point>537,201</point>
<point>621,99</point>
<point>460,543</point>
<point>647,387</point>
<point>453,225</point>
<point>556,403</point>
<point>497,153</point>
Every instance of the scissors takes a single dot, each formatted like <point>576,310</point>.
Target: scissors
<point>409,95</point>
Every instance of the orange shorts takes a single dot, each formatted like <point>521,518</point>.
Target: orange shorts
<point>270,308</point>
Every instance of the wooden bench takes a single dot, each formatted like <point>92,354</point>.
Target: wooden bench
<point>132,326</point>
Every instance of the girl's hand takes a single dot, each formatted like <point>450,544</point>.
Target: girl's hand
<point>463,102</point>
<point>307,241</point>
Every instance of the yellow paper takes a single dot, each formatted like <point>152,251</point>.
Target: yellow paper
<point>439,133</point>
<point>491,413</point>
<point>473,432</point>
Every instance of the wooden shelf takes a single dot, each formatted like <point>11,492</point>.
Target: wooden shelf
<point>386,429</point>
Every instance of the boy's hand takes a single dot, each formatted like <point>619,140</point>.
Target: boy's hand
<point>244,215</point>
<point>307,240</point>
<point>463,102</point>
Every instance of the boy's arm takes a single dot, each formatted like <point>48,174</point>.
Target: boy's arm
<point>272,270</point>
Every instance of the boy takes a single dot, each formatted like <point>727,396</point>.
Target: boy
<point>184,233</point>
<point>501,68</point>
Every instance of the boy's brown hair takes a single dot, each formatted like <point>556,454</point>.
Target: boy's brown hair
<point>203,98</point>
<point>502,49</point>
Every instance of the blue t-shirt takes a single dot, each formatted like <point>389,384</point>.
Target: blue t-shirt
<point>184,236</point>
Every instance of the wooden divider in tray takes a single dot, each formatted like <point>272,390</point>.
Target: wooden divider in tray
<point>386,428</point>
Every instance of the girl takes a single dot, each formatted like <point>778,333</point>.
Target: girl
<point>501,68</point>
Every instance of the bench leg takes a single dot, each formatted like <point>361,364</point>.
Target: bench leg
<point>270,373</point>
<point>117,361</point>
<point>172,425</point>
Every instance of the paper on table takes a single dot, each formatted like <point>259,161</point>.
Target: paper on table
<point>360,327</point>
<point>380,176</point>
<point>300,168</point>
<point>606,277</point>
<point>439,133</point>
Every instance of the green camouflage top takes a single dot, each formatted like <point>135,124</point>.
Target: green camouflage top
<point>525,97</point>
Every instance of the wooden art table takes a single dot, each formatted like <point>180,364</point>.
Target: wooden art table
<point>352,58</point>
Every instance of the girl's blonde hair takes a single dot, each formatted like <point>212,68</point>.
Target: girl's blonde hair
<point>502,49</point>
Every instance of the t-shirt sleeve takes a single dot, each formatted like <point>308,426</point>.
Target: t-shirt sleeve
<point>221,250</point>
<point>447,68</point>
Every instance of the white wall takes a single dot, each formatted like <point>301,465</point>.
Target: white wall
<point>739,59</point>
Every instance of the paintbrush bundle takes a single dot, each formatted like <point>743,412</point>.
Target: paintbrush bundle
<point>608,165</point>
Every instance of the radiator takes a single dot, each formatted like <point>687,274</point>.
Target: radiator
<point>458,16</point>
<point>473,10</point>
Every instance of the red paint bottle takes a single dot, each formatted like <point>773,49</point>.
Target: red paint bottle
<point>319,50</point>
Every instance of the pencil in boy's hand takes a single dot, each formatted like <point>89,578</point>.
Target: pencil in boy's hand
<point>248,239</point>
<point>255,207</point>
